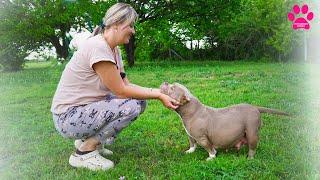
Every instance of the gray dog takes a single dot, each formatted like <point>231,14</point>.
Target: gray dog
<point>214,128</point>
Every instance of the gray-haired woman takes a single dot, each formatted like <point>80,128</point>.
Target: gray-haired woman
<point>94,100</point>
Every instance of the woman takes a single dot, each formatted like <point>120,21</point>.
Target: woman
<point>94,100</point>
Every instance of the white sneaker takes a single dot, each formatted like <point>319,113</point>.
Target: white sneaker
<point>93,161</point>
<point>77,143</point>
<point>100,148</point>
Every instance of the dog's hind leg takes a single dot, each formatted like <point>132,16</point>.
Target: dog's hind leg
<point>253,139</point>
<point>193,145</point>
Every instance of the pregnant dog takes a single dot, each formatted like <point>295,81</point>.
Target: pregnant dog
<point>214,128</point>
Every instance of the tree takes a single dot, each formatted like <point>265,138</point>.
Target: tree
<point>30,24</point>
<point>151,10</point>
<point>231,29</point>
<point>258,29</point>
<point>12,57</point>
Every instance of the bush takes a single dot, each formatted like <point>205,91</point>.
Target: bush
<point>12,58</point>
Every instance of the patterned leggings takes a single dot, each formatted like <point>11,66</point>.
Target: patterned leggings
<point>102,120</point>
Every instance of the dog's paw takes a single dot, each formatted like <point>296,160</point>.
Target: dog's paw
<point>211,158</point>
<point>250,158</point>
<point>191,150</point>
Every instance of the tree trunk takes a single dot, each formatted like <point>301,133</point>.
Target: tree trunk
<point>61,50</point>
<point>130,47</point>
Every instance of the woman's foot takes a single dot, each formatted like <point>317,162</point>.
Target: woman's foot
<point>92,160</point>
<point>103,151</point>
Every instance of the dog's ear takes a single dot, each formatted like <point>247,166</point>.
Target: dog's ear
<point>187,98</point>
<point>184,99</point>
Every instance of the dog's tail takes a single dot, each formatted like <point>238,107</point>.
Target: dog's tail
<point>271,111</point>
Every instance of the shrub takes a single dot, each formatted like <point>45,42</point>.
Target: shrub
<point>12,58</point>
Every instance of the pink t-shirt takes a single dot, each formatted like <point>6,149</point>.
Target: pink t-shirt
<point>79,83</point>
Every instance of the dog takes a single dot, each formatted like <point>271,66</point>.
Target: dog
<point>214,128</point>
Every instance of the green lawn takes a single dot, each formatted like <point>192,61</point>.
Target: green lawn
<point>153,146</point>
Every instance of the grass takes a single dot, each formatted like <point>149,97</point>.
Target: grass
<point>153,146</point>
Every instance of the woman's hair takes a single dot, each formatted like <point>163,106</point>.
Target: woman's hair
<point>116,14</point>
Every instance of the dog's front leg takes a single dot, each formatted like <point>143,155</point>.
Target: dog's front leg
<point>193,145</point>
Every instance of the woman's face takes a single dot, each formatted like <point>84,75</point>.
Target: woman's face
<point>125,31</point>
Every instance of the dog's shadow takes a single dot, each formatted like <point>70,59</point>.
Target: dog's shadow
<point>144,150</point>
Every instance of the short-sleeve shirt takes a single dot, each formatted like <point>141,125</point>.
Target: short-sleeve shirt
<point>79,83</point>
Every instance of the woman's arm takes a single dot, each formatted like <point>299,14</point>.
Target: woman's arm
<point>110,77</point>
<point>126,81</point>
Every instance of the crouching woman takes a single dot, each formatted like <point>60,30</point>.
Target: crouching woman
<point>94,99</point>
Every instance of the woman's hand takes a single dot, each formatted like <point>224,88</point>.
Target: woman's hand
<point>166,100</point>
<point>169,102</point>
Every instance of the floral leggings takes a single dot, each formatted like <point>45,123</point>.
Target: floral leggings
<point>102,120</point>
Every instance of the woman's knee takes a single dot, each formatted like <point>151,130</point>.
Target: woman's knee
<point>133,109</point>
<point>136,107</point>
<point>143,105</point>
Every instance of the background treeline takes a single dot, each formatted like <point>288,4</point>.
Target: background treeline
<point>219,29</point>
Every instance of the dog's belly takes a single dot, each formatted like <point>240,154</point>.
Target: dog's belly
<point>228,143</point>
<point>227,138</point>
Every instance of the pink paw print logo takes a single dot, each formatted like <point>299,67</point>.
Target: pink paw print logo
<point>300,22</point>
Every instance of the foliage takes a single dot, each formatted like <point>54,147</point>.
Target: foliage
<point>12,57</point>
<point>260,29</point>
<point>154,43</point>
<point>31,24</point>
<point>230,30</point>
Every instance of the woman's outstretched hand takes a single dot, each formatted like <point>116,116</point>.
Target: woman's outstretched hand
<point>169,102</point>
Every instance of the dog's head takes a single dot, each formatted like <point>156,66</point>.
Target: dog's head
<point>176,91</point>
